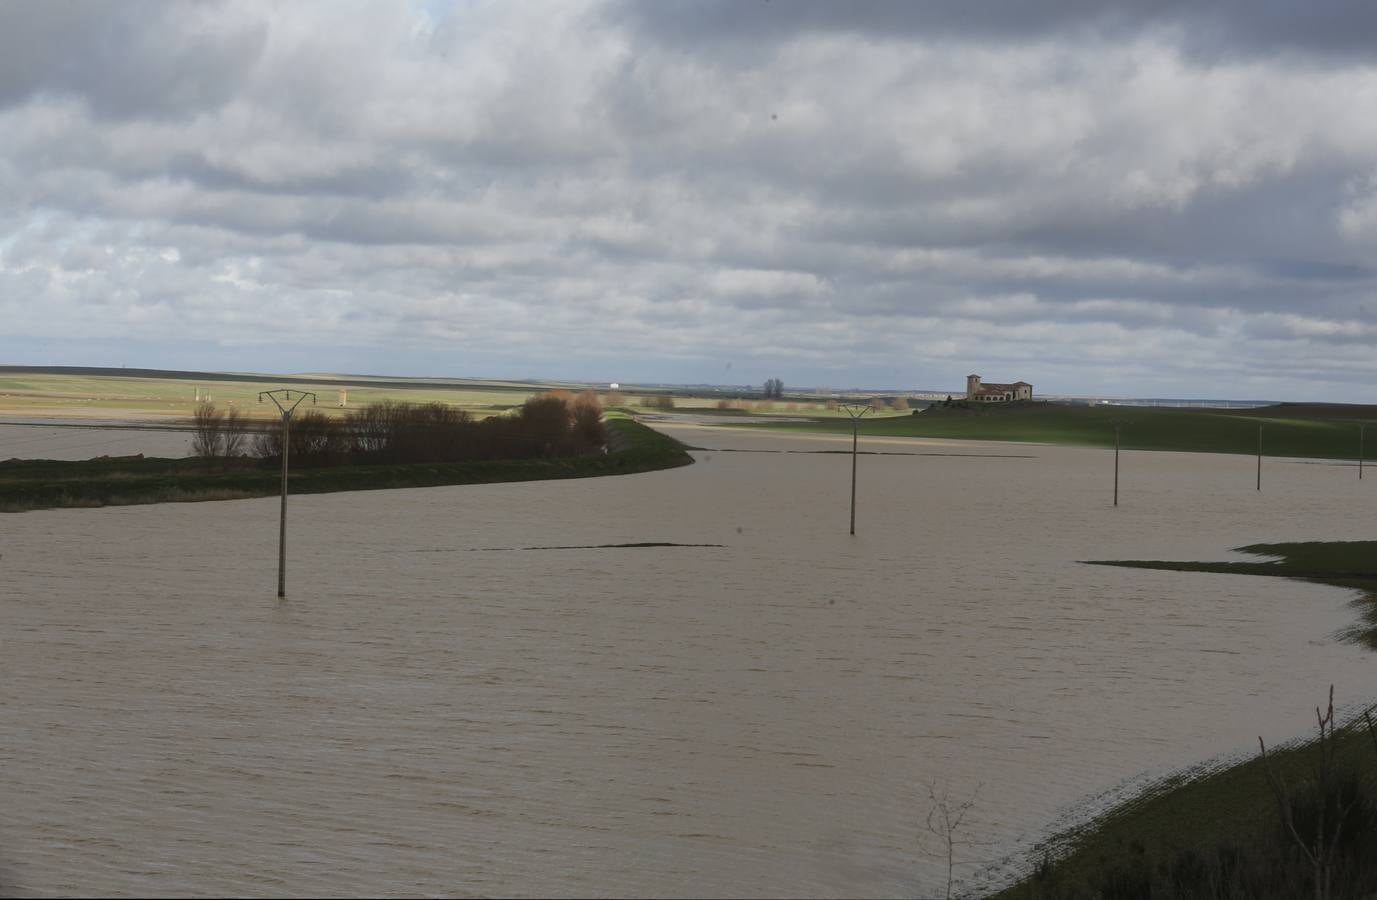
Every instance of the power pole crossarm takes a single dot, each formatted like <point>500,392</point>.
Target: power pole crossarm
<point>1116,463</point>
<point>286,406</point>
<point>855,411</point>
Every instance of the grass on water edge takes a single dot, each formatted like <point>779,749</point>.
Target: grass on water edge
<point>48,484</point>
<point>1192,815</point>
<point>1291,430</point>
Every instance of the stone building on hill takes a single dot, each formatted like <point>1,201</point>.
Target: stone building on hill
<point>996,393</point>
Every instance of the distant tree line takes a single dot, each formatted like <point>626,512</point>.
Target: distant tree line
<point>553,424</point>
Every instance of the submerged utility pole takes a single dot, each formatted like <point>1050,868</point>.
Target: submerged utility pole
<point>855,411</point>
<point>1259,457</point>
<point>286,411</point>
<point>1116,463</point>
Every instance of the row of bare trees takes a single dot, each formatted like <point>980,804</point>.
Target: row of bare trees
<point>217,433</point>
<point>554,424</point>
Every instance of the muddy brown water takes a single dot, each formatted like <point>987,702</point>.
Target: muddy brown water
<point>33,438</point>
<point>761,718</point>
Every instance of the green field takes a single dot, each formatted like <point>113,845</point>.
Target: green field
<point>1191,826</point>
<point>46,484</point>
<point>1287,429</point>
<point>108,397</point>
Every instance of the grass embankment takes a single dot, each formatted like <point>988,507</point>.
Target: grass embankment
<point>1219,833</point>
<point>47,484</point>
<point>1313,431</point>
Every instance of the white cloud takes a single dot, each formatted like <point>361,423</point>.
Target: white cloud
<point>379,176</point>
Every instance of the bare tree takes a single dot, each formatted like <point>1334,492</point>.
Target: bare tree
<point>235,441</point>
<point>1318,849</point>
<point>945,820</point>
<point>208,431</point>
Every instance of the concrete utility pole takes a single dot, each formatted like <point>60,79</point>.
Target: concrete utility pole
<point>1116,463</point>
<point>1259,457</point>
<point>286,411</point>
<point>855,411</point>
<point>1361,453</point>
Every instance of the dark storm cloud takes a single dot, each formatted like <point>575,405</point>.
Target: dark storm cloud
<point>1209,28</point>
<point>138,57</point>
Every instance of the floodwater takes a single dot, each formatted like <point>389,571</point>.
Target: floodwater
<point>435,711</point>
<point>79,439</point>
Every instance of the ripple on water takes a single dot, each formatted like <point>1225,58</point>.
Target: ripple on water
<point>755,719</point>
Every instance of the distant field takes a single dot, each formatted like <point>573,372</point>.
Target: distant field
<point>142,395</point>
<point>113,397</point>
<point>1312,430</point>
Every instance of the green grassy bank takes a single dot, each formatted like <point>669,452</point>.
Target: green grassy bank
<point>1324,431</point>
<point>1218,832</point>
<point>47,484</point>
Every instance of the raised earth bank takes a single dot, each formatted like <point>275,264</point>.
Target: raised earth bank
<point>122,481</point>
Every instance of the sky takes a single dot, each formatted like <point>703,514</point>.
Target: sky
<point>1173,199</point>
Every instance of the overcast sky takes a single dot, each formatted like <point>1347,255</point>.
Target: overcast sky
<point>1149,199</point>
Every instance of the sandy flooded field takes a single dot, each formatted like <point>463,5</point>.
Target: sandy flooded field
<point>436,710</point>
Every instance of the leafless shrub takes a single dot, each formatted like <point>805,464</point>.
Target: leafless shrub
<point>1317,845</point>
<point>208,431</point>
<point>944,824</point>
<point>551,424</point>
<point>235,437</point>
<point>900,403</point>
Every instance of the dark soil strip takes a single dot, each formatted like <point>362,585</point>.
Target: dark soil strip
<point>638,545</point>
<point>871,453</point>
